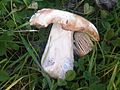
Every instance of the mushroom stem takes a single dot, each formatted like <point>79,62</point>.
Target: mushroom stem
<point>58,56</point>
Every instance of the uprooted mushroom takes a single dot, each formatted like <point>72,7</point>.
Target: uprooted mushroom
<point>69,33</point>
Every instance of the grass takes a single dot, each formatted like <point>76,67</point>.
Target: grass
<point>20,52</point>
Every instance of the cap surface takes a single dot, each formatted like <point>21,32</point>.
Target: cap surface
<point>85,31</point>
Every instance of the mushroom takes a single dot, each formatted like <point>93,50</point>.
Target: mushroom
<point>69,33</point>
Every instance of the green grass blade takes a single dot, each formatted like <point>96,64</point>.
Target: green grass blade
<point>30,51</point>
<point>111,82</point>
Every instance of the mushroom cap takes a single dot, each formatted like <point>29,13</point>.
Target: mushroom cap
<point>67,20</point>
<point>84,31</point>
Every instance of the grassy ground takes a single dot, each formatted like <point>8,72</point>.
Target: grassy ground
<point>20,52</point>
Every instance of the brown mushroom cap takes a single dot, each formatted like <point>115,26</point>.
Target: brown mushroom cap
<point>84,30</point>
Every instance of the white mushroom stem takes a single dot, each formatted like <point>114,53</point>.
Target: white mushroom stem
<point>58,55</point>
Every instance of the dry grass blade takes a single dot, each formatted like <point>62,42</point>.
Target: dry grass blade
<point>14,83</point>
